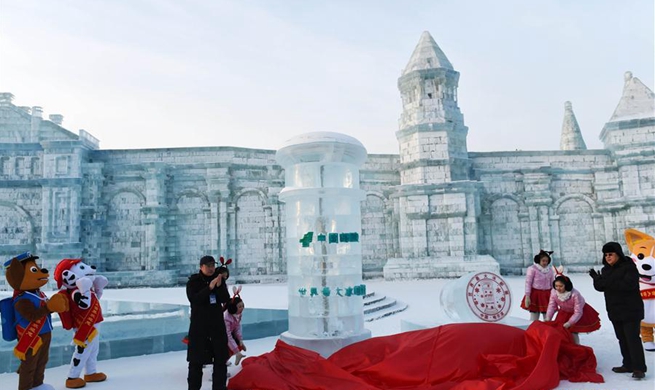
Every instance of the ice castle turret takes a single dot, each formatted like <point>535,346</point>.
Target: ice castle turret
<point>630,137</point>
<point>571,136</point>
<point>431,135</point>
<point>632,124</point>
<point>438,204</point>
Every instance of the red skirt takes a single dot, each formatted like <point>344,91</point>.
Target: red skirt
<point>538,301</point>
<point>589,322</point>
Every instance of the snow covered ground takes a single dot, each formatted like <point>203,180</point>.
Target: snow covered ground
<point>168,370</point>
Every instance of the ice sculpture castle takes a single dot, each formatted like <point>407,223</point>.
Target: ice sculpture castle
<point>435,209</point>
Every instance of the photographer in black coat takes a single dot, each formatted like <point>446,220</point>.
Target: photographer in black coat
<point>207,292</point>
<point>619,281</point>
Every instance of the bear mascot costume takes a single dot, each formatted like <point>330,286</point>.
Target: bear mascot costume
<point>31,312</point>
<point>82,288</point>
<point>642,251</point>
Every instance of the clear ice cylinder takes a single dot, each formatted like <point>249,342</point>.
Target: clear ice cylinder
<point>323,234</point>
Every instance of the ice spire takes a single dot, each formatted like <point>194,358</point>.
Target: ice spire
<point>637,101</point>
<point>427,55</point>
<point>571,135</point>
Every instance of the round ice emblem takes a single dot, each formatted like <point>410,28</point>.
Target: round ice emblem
<point>488,296</point>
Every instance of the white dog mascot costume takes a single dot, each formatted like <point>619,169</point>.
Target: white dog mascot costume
<point>642,251</point>
<point>79,283</point>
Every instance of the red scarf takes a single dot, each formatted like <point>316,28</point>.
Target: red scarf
<point>29,337</point>
<point>86,329</point>
<point>648,294</point>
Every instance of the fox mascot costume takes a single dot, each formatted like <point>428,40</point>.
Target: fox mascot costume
<point>80,285</point>
<point>642,251</point>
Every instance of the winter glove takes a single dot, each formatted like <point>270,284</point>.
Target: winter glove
<point>593,273</point>
<point>99,284</point>
<point>527,301</point>
<point>84,284</point>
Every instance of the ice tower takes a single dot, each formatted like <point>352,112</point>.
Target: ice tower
<point>439,204</point>
<point>323,231</point>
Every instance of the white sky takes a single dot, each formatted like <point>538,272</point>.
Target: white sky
<point>165,73</point>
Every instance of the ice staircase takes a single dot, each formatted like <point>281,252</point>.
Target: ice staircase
<point>380,306</point>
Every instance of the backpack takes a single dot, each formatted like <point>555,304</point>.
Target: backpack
<point>8,317</point>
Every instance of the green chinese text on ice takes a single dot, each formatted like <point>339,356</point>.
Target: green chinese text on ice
<point>332,238</point>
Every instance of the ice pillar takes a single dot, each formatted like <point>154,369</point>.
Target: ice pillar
<point>323,240</point>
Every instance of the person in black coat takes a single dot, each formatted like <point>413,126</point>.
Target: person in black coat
<point>207,292</point>
<point>619,281</point>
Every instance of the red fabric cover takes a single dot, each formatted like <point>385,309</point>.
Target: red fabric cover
<point>472,356</point>
<point>292,368</point>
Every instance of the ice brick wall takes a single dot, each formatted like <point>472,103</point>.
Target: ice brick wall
<point>140,211</point>
<point>566,201</point>
<point>378,177</point>
<point>192,202</point>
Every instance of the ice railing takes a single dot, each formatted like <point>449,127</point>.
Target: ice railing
<point>142,328</point>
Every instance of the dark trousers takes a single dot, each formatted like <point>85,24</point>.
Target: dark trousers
<point>627,332</point>
<point>31,371</point>
<point>219,377</point>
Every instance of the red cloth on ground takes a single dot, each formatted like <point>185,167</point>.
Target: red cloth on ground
<point>472,356</point>
<point>292,368</point>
